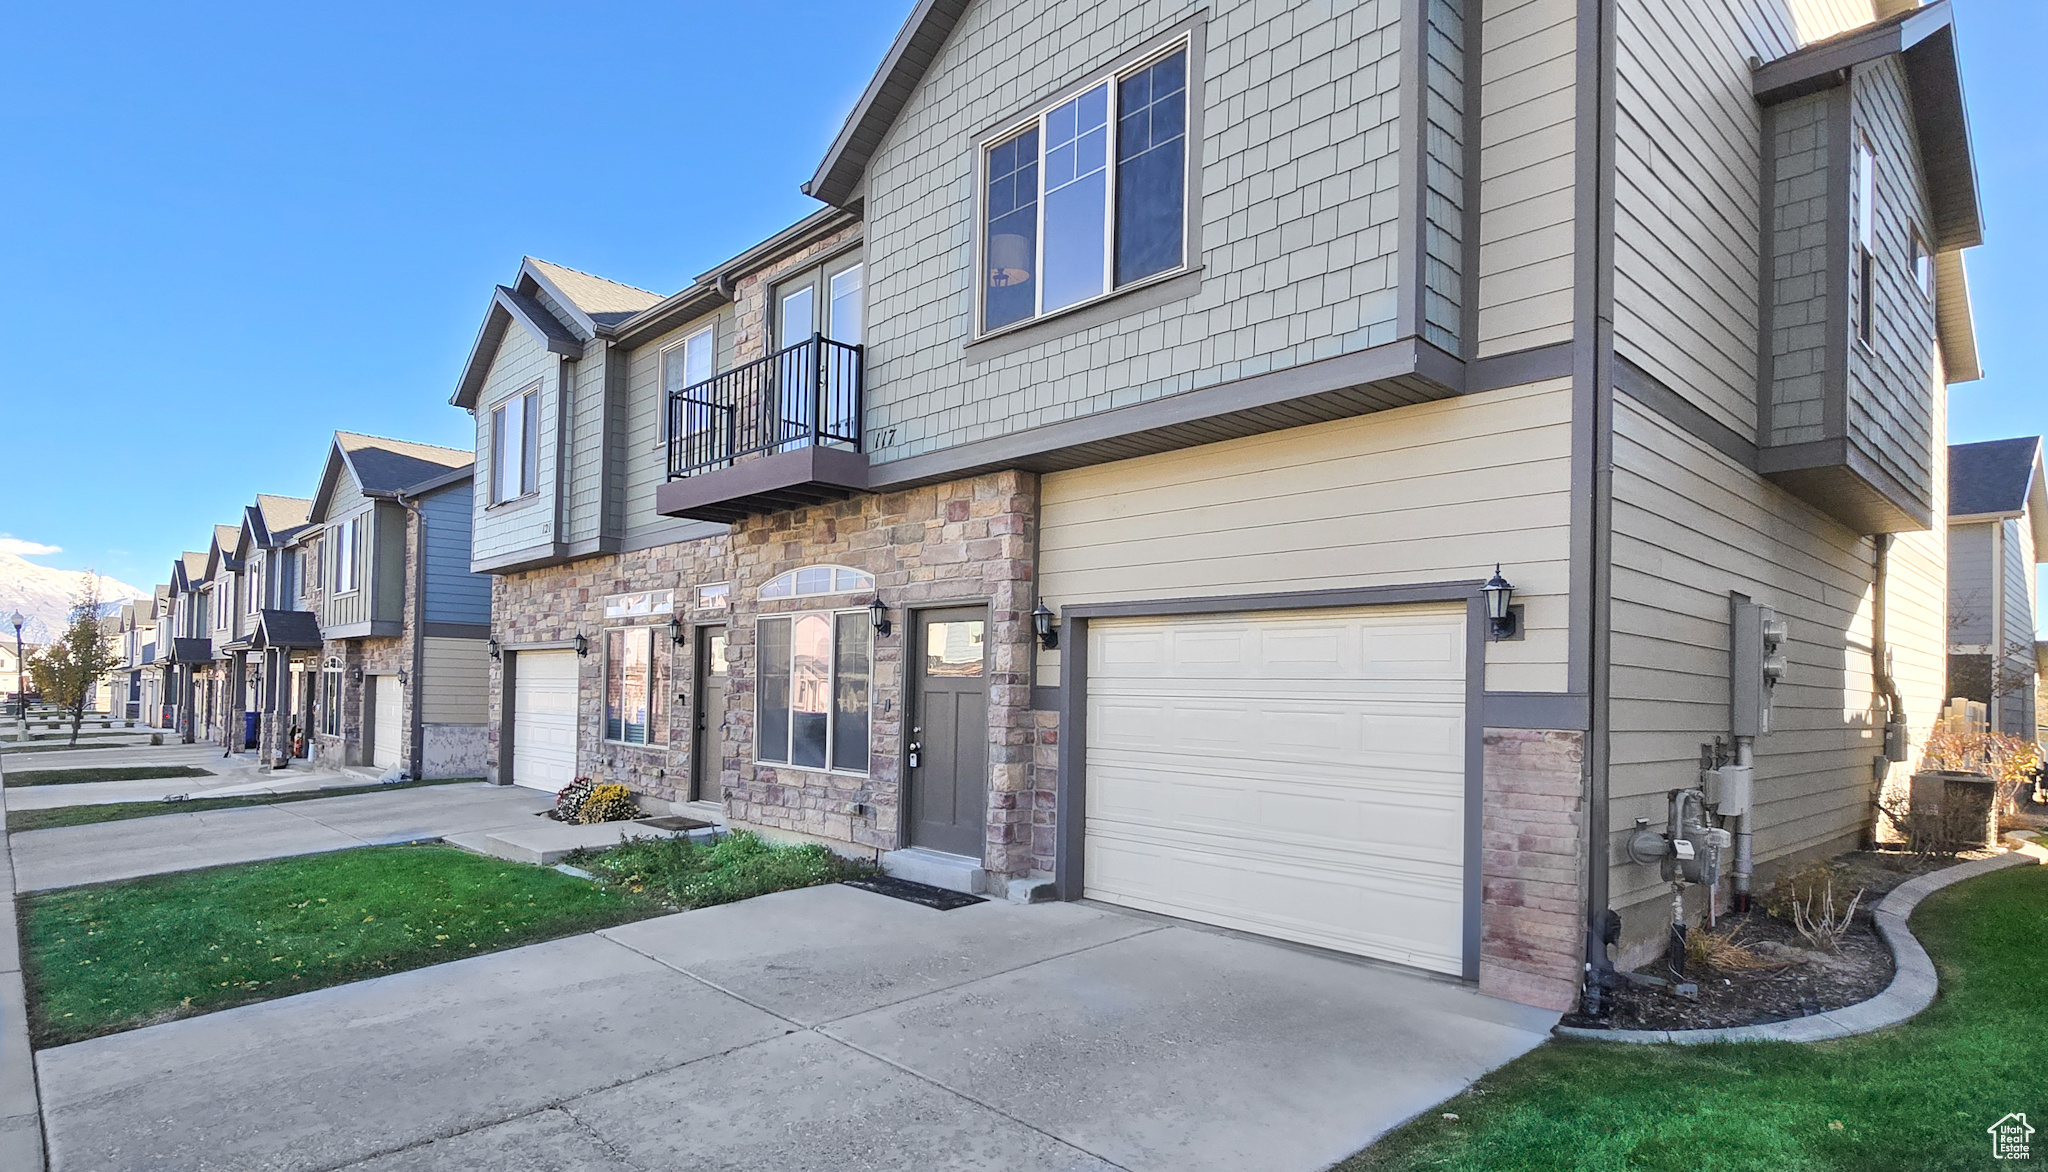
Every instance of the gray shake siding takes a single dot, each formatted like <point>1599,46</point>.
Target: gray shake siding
<point>1443,104</point>
<point>1972,607</point>
<point>1298,174</point>
<point>1526,128</point>
<point>1798,280</point>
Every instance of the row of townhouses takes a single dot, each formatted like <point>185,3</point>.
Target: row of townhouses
<point>1324,470</point>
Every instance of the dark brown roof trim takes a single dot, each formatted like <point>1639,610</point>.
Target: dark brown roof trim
<point>508,305</point>
<point>917,45</point>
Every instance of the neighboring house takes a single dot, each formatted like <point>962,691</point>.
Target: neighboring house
<point>1997,537</point>
<point>185,648</point>
<point>12,672</point>
<point>403,619</point>
<point>278,639</point>
<point>1382,299</point>
<point>224,685</point>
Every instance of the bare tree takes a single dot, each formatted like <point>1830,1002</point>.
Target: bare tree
<point>69,670</point>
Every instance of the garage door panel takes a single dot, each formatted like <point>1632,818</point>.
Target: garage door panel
<point>544,718</point>
<point>1298,774</point>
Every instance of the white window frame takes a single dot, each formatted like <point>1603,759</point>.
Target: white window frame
<point>680,348</point>
<point>1923,265</point>
<point>657,715</point>
<point>831,690</point>
<point>255,577</point>
<point>343,538</point>
<point>1037,119</point>
<point>529,444</point>
<point>1863,227</point>
<point>220,613</point>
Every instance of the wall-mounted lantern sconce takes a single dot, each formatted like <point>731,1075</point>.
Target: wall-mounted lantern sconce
<point>491,645</point>
<point>675,631</point>
<point>878,616</point>
<point>356,673</point>
<point>1044,622</point>
<point>401,677</point>
<point>1500,616</point>
<point>582,644</point>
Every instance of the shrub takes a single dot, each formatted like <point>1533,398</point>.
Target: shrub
<point>1723,952</point>
<point>608,803</point>
<point>569,802</point>
<point>2010,761</point>
<point>739,866</point>
<point>1808,898</point>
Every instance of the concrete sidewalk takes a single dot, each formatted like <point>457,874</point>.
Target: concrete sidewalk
<point>70,855</point>
<point>821,1029</point>
<point>21,1123</point>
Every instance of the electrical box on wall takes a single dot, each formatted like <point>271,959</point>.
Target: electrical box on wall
<point>1756,662</point>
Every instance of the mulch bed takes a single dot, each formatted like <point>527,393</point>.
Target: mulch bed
<point>1800,981</point>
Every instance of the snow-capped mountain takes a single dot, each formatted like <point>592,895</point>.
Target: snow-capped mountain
<point>45,595</point>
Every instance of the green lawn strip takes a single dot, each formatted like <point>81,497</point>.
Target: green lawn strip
<point>110,773</point>
<point>1915,1096</point>
<point>116,956</point>
<point>739,866</point>
<point>10,748</point>
<point>19,820</point>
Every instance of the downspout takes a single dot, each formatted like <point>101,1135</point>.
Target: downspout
<point>1894,742</point>
<point>417,742</point>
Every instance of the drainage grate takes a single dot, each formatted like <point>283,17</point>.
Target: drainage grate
<point>918,893</point>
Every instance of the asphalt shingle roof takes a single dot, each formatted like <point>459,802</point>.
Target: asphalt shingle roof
<point>606,302</point>
<point>1994,476</point>
<point>387,465</point>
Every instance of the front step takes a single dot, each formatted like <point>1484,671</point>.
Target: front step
<point>936,869</point>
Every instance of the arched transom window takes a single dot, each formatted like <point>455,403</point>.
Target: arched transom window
<point>812,581</point>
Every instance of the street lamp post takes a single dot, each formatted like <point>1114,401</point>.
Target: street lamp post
<point>20,674</point>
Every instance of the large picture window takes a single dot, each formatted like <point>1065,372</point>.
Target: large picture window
<point>632,693</point>
<point>515,446</point>
<point>1089,195</point>
<point>816,672</point>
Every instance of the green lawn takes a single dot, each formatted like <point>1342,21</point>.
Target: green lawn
<point>120,955</point>
<point>10,748</point>
<point>1917,1096</point>
<point>18,820</point>
<point>739,866</point>
<point>111,773</point>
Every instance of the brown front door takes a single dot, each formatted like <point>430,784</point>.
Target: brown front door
<point>948,750</point>
<point>707,739</point>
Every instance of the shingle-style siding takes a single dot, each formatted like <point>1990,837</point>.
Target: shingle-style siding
<point>521,362</point>
<point>2016,578</point>
<point>1890,416</point>
<point>1443,105</point>
<point>1690,525</point>
<point>1527,104</point>
<point>1799,270</point>
<point>587,464</point>
<point>454,594</point>
<point>1972,605</point>
<point>1297,223</point>
<point>646,453</point>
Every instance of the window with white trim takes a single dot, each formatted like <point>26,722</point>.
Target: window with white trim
<point>812,581</point>
<point>1087,196</point>
<point>341,540</point>
<point>1865,180</point>
<point>221,610</point>
<point>1923,265</point>
<point>811,701</point>
<point>632,687</point>
<point>330,697</point>
<point>515,446</point>
<point>683,365</point>
<point>255,584</point>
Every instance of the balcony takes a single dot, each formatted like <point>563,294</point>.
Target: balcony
<point>777,433</point>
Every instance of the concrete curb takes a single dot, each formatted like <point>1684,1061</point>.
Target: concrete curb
<point>1912,988</point>
<point>21,1114</point>
<point>2024,843</point>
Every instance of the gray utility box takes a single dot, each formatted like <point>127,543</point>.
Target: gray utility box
<point>1958,811</point>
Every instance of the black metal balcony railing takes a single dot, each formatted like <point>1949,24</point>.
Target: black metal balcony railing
<point>806,395</point>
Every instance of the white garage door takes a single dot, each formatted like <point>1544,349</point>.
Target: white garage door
<point>1299,774</point>
<point>387,724</point>
<point>544,719</point>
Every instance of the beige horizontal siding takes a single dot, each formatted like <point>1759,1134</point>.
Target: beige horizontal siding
<point>1527,108</point>
<point>1690,526</point>
<point>1435,492</point>
<point>455,681</point>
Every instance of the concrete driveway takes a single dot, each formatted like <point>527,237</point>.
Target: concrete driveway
<point>66,856</point>
<point>826,1029</point>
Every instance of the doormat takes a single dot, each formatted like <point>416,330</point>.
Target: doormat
<point>918,893</point>
<point>673,822</point>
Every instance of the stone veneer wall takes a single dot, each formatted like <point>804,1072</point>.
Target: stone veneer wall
<point>1532,828</point>
<point>964,542</point>
<point>556,603</point>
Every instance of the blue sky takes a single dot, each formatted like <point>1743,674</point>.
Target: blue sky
<point>233,229</point>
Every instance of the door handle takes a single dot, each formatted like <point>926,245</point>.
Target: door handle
<point>914,747</point>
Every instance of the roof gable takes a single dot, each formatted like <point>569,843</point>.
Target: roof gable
<point>592,302</point>
<point>382,467</point>
<point>563,308</point>
<point>916,46</point>
<point>1995,478</point>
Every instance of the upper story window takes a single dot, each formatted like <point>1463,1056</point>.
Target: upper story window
<point>255,584</point>
<point>515,446</point>
<point>1923,265</point>
<point>342,540</point>
<point>221,608</point>
<point>815,580</point>
<point>685,364</point>
<point>1865,187</point>
<point>1088,195</point>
